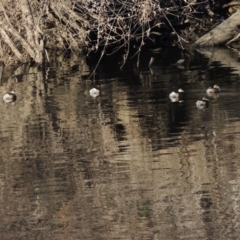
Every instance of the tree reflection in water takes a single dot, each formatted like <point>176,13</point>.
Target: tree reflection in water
<point>129,164</point>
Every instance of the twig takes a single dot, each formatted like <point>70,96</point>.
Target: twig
<point>234,39</point>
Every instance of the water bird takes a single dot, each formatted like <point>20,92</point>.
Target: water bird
<point>9,97</point>
<point>176,96</point>
<point>203,103</point>
<point>211,91</point>
<point>94,92</point>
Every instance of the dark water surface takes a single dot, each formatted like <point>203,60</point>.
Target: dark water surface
<point>128,164</point>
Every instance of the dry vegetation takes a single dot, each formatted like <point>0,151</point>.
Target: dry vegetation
<point>29,28</point>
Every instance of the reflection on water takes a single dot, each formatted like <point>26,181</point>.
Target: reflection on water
<point>128,163</point>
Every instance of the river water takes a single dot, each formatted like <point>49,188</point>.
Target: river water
<point>128,164</point>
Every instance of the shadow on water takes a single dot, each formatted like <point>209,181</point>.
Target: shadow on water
<point>129,163</point>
